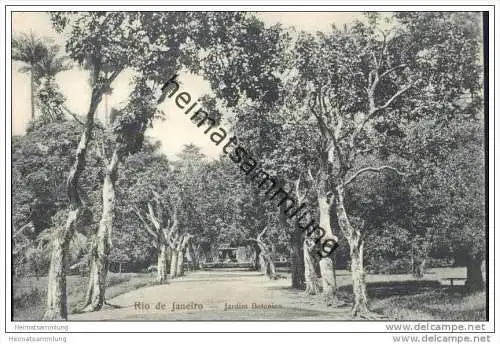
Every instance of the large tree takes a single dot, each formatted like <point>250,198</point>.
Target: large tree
<point>244,74</point>
<point>39,161</point>
<point>30,49</point>
<point>451,187</point>
<point>125,138</point>
<point>153,197</point>
<point>109,43</point>
<point>48,97</point>
<point>164,45</point>
<point>365,83</point>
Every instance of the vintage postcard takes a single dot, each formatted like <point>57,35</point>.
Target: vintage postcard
<point>237,165</point>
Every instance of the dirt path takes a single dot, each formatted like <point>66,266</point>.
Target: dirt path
<point>204,295</point>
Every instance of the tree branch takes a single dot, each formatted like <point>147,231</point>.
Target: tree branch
<point>112,78</point>
<point>383,51</point>
<point>364,151</point>
<point>372,169</point>
<point>152,217</point>
<point>322,125</point>
<point>300,196</point>
<point>259,237</point>
<point>177,241</point>
<point>259,243</point>
<point>72,114</point>
<point>377,64</point>
<point>103,154</point>
<point>20,230</point>
<point>185,240</point>
<point>148,228</point>
<point>403,65</point>
<point>313,179</point>
<point>391,100</point>
<point>173,222</point>
<point>374,109</point>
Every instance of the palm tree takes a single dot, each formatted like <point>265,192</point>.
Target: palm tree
<point>49,98</point>
<point>51,64</point>
<point>31,50</point>
<point>32,251</point>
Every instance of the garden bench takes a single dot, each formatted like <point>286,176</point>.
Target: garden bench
<point>451,279</point>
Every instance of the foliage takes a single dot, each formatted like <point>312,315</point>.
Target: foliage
<point>29,49</point>
<point>405,93</point>
<point>39,163</point>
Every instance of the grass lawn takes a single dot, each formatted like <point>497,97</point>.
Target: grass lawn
<point>402,297</point>
<point>441,304</point>
<point>395,297</point>
<point>30,292</point>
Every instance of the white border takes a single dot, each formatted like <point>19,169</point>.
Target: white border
<point>221,326</point>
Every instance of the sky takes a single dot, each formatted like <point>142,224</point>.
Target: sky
<point>177,131</point>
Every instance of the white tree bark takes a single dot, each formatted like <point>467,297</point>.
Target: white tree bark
<point>173,263</point>
<point>312,280</point>
<point>56,289</point>
<point>265,260</point>
<point>356,252</point>
<point>162,238</point>
<point>100,256</point>
<point>56,292</point>
<point>161,268</point>
<point>326,263</point>
<point>181,252</point>
<point>358,277</point>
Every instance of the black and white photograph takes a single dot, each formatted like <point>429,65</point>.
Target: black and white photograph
<point>228,165</point>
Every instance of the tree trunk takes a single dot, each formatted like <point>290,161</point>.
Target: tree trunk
<point>194,257</point>
<point>256,264</point>
<point>326,263</point>
<point>262,263</point>
<point>100,257</point>
<point>356,252</point>
<point>419,271</point>
<point>273,252</point>
<point>358,277</point>
<point>266,262</point>
<point>56,288</point>
<point>297,260</point>
<point>180,262</point>
<point>32,93</point>
<point>475,279</point>
<point>161,268</point>
<point>173,263</point>
<point>94,299</point>
<point>483,272</point>
<point>169,257</point>
<point>180,254</point>
<point>89,294</point>
<point>270,267</point>
<point>106,112</point>
<point>56,293</point>
<point>311,278</point>
<point>412,262</point>
<point>329,282</point>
